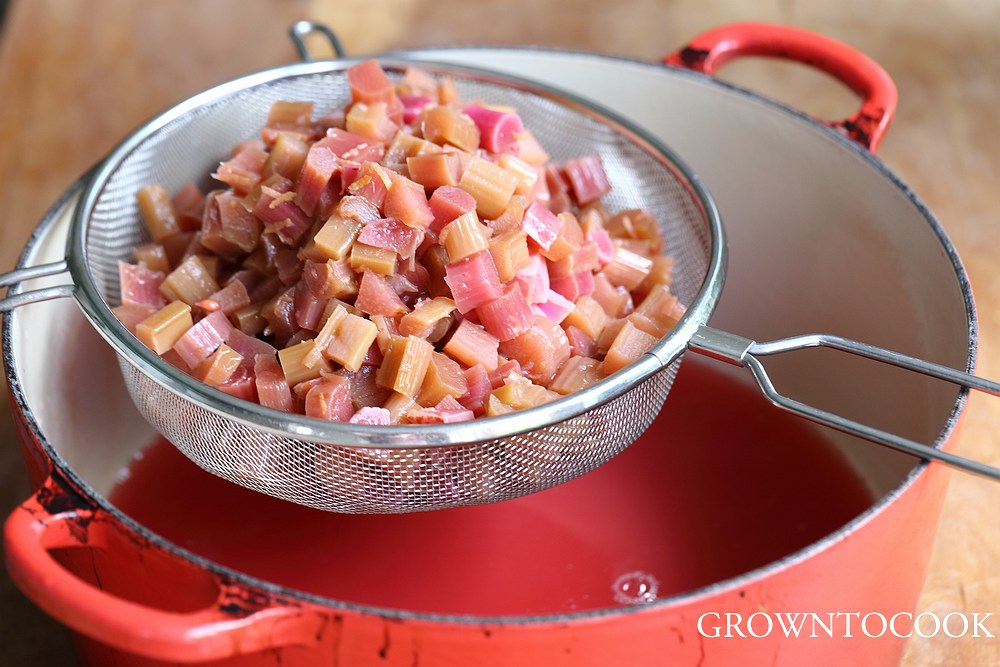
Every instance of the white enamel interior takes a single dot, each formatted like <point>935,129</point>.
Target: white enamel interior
<point>821,239</point>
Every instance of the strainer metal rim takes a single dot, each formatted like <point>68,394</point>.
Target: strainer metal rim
<point>280,423</point>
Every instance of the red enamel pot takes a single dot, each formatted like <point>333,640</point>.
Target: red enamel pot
<point>822,237</point>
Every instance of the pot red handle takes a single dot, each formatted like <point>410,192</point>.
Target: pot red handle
<point>237,622</point>
<point>709,51</point>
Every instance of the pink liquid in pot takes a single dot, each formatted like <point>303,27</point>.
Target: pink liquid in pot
<point>722,483</point>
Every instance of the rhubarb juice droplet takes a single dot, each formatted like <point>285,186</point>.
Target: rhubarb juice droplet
<point>634,588</point>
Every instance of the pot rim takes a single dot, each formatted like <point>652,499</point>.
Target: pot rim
<point>675,601</point>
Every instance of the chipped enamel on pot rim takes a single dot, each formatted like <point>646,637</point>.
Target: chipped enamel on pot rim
<point>58,214</point>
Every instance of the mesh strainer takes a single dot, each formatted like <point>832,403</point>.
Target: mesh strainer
<point>358,468</point>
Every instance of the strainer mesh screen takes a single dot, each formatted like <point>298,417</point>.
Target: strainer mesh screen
<point>351,479</point>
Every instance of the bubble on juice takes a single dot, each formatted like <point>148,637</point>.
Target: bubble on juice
<point>635,588</point>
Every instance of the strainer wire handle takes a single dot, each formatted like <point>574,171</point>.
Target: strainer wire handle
<point>302,29</point>
<point>30,273</point>
<point>743,352</point>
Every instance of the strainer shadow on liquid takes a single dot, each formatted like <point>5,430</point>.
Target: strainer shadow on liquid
<point>358,468</point>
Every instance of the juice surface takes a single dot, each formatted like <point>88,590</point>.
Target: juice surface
<point>721,483</point>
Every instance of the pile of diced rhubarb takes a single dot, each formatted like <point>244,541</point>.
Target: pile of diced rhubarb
<point>410,259</point>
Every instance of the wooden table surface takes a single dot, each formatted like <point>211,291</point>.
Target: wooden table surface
<point>76,75</point>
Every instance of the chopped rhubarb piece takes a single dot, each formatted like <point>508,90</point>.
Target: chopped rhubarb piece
<point>510,253</point>
<point>279,312</point>
<point>584,283</point>
<point>391,234</point>
<point>568,241</point>
<point>190,282</point>
<point>352,147</point>
<point>577,373</point>
<point>372,416</point>
<point>371,120</point>
<point>498,130</point>
<point>319,167</point>
<point>238,224</point>
<point>588,316</point>
<point>527,175</point>
<point>584,258</point>
<point>435,170</point>
<point>248,347</point>
<point>330,399</point>
<point>615,300</point>
<point>520,393</point>
<point>289,113</point>
<point>416,81</point>
<point>331,318</point>
<point>477,379</point>
<point>163,328</point>
<point>627,269</point>
<point>244,171</point>
<point>661,273</point>
<point>366,258</point>
<point>558,189</point>
<point>369,83</point>
<point>278,211</point>
<point>413,105</point>
<point>350,342</point>
<point>157,212</point>
<point>319,278</point>
<point>387,327</point>
<point>540,350</point>
<point>637,224</point>
<point>130,314</point>
<point>444,377</point>
<point>446,125</point>
<point>376,296</point>
<point>500,373</point>
<point>372,183</point>
<point>421,321</point>
<point>287,155</point>
<point>293,362</point>
<point>510,219</point>
<point>436,415</point>
<point>565,287</point>
<point>473,281</point>
<point>335,238</point>
<point>580,343</point>
<point>555,307</point>
<point>447,203</point>
<point>272,387</point>
<point>153,256</point>
<point>405,364</point>
<point>541,224</point>
<point>140,285</point>
<point>588,179</point>
<point>309,308</point>
<point>218,367</point>
<point>405,146</point>
<point>508,316</point>
<point>358,209</point>
<point>490,185</point>
<point>241,383</point>
<point>529,150</point>
<point>534,279</point>
<point>464,236</point>
<point>203,338</point>
<point>406,201</point>
<point>630,344</point>
<point>471,344</point>
<point>495,407</point>
<point>189,205</point>
<point>398,405</point>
